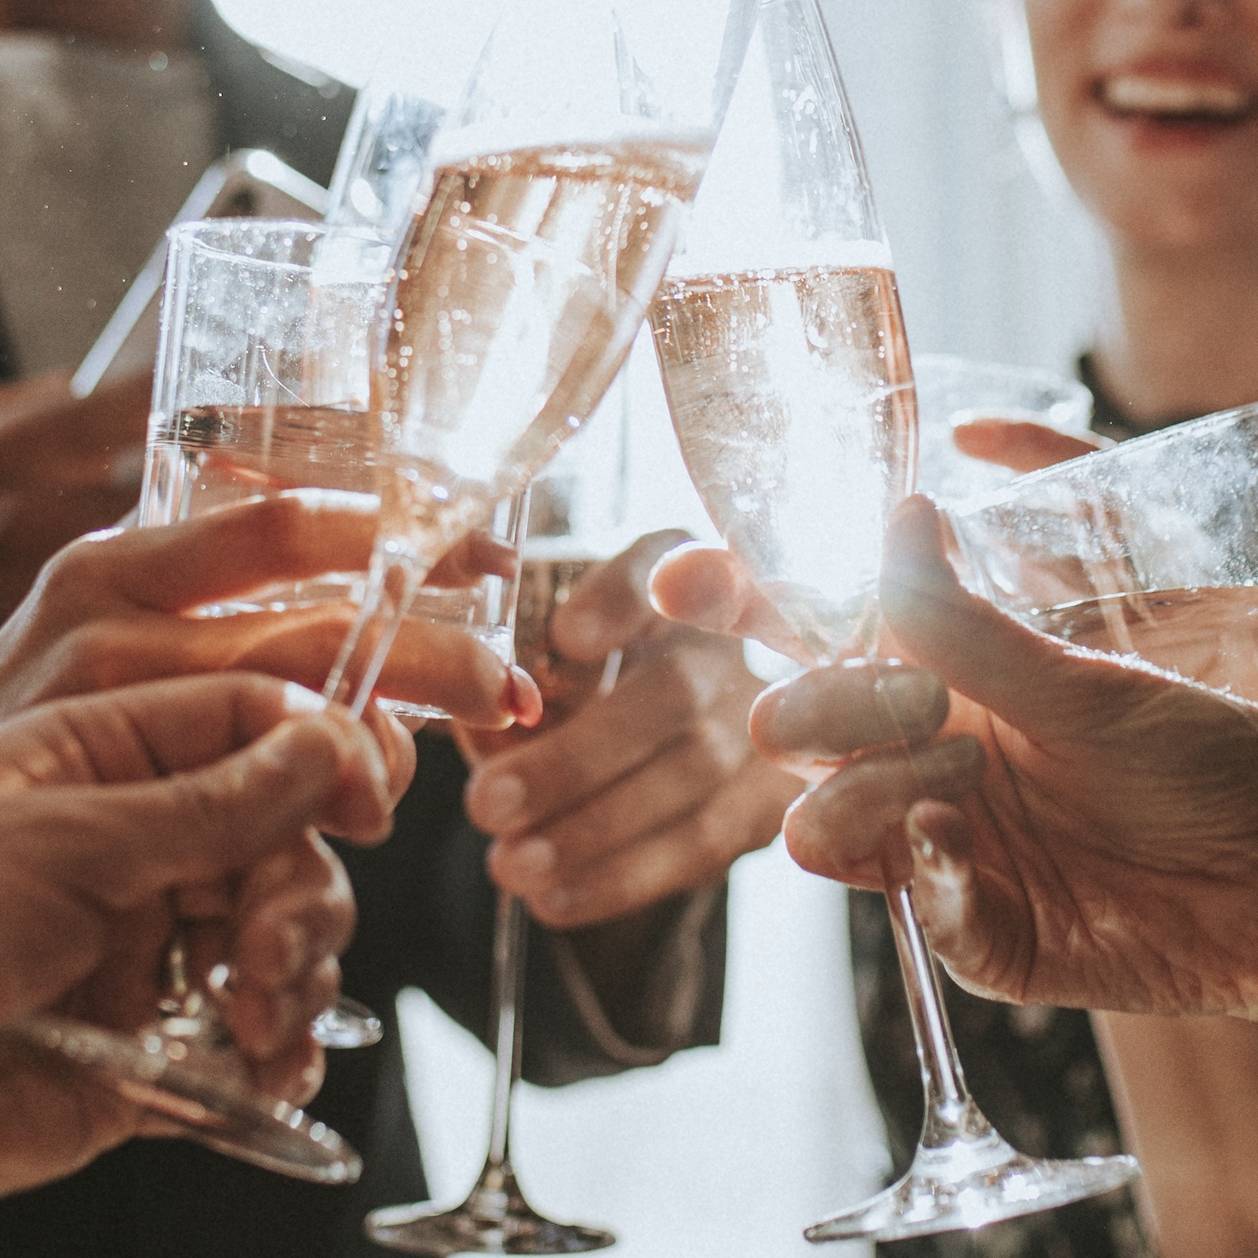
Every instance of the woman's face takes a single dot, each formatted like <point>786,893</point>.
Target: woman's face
<point>1152,106</point>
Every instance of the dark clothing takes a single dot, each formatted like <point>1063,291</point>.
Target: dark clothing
<point>426,919</point>
<point>263,106</point>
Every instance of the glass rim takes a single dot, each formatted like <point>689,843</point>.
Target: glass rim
<point>1069,385</point>
<point>1172,434</point>
<point>195,236</point>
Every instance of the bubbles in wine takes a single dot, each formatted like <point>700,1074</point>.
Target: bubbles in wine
<point>791,393</point>
<point>519,293</point>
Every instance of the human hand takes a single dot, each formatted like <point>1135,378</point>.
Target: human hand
<point>192,798</point>
<point>1081,829</point>
<point>1022,445</point>
<point>68,466</point>
<point>114,608</point>
<point>641,793</point>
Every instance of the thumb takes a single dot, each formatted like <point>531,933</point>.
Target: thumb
<point>198,826</point>
<point>1029,680</point>
<point>609,607</point>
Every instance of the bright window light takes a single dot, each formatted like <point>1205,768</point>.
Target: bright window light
<point>432,42</point>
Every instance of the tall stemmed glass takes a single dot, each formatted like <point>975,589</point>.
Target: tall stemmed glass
<point>782,346</point>
<point>262,384</point>
<point>575,518</point>
<point>557,195</point>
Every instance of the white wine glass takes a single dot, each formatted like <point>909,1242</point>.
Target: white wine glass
<point>557,191</point>
<point>784,356</point>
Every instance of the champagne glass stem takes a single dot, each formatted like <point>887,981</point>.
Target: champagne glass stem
<point>396,574</point>
<point>508,987</point>
<point>942,1078</point>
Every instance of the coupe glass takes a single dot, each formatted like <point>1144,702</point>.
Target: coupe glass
<point>1150,549</point>
<point>784,356</point>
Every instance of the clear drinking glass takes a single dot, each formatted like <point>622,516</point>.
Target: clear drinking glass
<point>262,385</point>
<point>1150,548</point>
<point>953,390</point>
<point>557,193</point>
<point>784,357</point>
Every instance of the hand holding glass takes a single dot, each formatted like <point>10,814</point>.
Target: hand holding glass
<point>784,356</point>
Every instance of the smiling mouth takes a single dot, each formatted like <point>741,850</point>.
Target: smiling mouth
<point>1174,101</point>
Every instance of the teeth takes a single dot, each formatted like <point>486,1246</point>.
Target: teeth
<point>1138,94</point>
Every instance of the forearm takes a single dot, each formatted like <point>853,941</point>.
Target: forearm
<point>1183,1088</point>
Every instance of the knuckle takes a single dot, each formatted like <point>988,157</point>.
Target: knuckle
<point>722,750</point>
<point>711,839</point>
<point>680,686</point>
<point>100,653</point>
<point>67,579</point>
<point>204,803</point>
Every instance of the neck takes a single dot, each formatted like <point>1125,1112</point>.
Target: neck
<point>1185,337</point>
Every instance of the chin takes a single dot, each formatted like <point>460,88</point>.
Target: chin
<point>1149,212</point>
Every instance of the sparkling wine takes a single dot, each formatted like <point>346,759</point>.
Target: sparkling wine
<point>1208,635</point>
<point>518,296</point>
<point>792,396</point>
<point>209,457</point>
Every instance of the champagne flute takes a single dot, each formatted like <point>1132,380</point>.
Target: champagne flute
<point>782,345</point>
<point>553,206</point>
<point>556,199</point>
<point>496,1217</point>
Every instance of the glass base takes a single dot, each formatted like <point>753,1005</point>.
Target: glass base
<point>347,1024</point>
<point>973,1181</point>
<point>194,1088</point>
<point>495,1219</point>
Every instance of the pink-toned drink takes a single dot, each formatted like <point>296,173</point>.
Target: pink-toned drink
<point>792,395</point>
<point>1208,635</point>
<point>520,292</point>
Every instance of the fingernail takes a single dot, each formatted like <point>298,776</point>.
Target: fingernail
<point>495,800</point>
<point>532,859</point>
<point>560,902</point>
<point>299,700</point>
<point>522,698</point>
<point>923,844</point>
<point>917,699</point>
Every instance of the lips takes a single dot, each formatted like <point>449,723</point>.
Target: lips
<point>1175,97</point>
